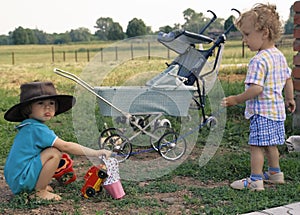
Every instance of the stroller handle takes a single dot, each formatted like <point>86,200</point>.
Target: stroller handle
<point>232,25</point>
<point>89,88</point>
<point>221,39</point>
<point>208,24</point>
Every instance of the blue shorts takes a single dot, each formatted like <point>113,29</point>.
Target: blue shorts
<point>266,132</point>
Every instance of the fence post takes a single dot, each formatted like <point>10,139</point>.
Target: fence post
<point>149,51</point>
<point>75,56</point>
<point>296,62</point>
<point>131,48</point>
<point>64,56</point>
<point>116,53</point>
<point>52,51</point>
<point>243,49</point>
<point>13,58</point>
<point>88,55</point>
<point>101,50</point>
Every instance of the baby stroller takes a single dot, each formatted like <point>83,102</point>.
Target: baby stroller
<point>181,86</point>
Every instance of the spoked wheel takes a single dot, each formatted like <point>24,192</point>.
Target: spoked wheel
<point>171,146</point>
<point>120,145</point>
<point>212,123</point>
<point>158,133</point>
<point>106,133</point>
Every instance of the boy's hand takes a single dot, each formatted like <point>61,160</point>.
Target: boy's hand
<point>229,101</point>
<point>291,105</point>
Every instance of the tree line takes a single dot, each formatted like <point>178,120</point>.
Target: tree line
<point>108,30</point>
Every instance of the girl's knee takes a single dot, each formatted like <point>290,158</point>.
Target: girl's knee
<point>51,153</point>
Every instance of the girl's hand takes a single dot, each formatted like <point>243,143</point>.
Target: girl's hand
<point>105,152</point>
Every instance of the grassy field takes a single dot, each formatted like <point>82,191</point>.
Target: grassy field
<point>66,53</point>
<point>204,190</point>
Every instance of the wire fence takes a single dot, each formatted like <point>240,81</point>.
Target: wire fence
<point>53,54</point>
<point>15,55</point>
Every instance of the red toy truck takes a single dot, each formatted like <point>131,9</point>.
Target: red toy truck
<point>65,173</point>
<point>94,179</point>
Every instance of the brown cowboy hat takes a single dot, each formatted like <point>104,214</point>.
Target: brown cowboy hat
<point>38,91</point>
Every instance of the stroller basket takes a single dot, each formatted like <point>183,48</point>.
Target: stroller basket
<point>144,99</point>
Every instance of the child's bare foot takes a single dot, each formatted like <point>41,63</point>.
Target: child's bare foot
<point>45,194</point>
<point>49,188</point>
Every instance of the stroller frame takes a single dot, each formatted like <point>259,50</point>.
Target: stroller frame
<point>163,139</point>
<point>167,142</point>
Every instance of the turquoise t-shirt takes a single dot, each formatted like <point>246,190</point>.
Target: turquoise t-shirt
<point>23,164</point>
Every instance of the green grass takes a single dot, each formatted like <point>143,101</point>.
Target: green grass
<point>209,194</point>
<point>25,54</point>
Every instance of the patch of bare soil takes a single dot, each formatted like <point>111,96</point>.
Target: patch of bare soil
<point>175,201</point>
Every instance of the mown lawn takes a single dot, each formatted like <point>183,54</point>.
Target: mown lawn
<point>196,190</point>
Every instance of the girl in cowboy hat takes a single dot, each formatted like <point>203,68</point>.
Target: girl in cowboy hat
<point>37,151</point>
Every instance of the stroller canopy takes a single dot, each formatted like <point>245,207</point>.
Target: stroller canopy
<point>180,40</point>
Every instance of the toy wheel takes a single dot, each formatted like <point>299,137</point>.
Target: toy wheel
<point>90,192</point>
<point>120,145</point>
<point>106,133</point>
<point>102,174</point>
<point>157,134</point>
<point>171,146</point>
<point>65,177</point>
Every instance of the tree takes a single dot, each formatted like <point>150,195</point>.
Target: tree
<point>32,39</point>
<point>103,24</point>
<point>136,27</point>
<point>80,34</point>
<point>19,36</point>
<point>149,30</point>
<point>289,25</point>
<point>193,21</point>
<point>166,29</point>
<point>115,32</point>
<point>61,38</point>
<point>42,37</point>
<point>4,40</point>
<point>229,22</point>
<point>22,36</point>
<point>196,21</point>
<point>108,29</point>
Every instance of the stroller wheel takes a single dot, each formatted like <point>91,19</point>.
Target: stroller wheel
<point>212,122</point>
<point>120,145</point>
<point>171,146</point>
<point>106,133</point>
<point>157,134</point>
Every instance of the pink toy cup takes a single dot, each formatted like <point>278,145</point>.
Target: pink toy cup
<point>115,190</point>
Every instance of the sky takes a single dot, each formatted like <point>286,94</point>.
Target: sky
<point>59,16</point>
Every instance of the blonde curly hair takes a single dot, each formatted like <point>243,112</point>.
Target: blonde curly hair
<point>264,16</point>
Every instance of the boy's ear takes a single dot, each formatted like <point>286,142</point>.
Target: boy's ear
<point>266,33</point>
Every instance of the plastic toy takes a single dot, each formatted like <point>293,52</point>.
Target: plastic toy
<point>65,173</point>
<point>94,179</point>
